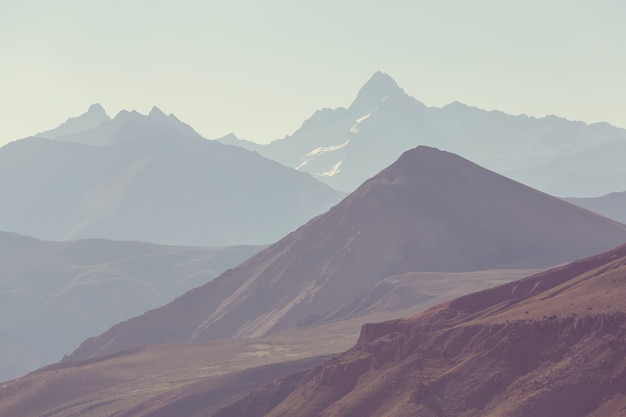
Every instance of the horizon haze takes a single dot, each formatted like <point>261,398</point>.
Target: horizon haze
<point>258,70</point>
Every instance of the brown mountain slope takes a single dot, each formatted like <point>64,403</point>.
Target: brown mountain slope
<point>429,211</point>
<point>166,380</point>
<point>553,344</point>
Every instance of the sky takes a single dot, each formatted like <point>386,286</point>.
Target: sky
<point>260,68</point>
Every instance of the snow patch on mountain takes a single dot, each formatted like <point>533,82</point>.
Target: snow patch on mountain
<point>334,170</point>
<point>355,128</point>
<point>320,151</point>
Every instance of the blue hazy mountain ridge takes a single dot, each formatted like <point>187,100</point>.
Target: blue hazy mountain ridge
<point>429,211</point>
<point>152,178</point>
<point>344,147</point>
<point>612,205</point>
<point>600,170</point>
<point>93,129</point>
<point>53,295</point>
<point>93,118</point>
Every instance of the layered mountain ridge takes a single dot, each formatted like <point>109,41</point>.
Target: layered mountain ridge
<point>429,211</point>
<point>152,178</point>
<point>95,127</point>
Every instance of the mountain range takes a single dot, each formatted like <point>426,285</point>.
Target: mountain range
<point>56,294</point>
<point>150,178</point>
<point>95,127</point>
<point>154,178</point>
<point>93,118</point>
<point>427,227</point>
<point>345,146</point>
<point>429,211</point>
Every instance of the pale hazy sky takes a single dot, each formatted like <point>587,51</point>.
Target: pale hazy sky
<point>260,68</point>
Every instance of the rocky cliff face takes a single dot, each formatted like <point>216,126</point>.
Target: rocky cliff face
<point>553,366</point>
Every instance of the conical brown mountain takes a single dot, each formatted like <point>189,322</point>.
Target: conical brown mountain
<point>429,211</point>
<point>553,344</point>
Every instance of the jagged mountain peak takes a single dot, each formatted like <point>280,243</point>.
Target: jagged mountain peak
<point>156,113</point>
<point>324,117</point>
<point>94,117</point>
<point>380,79</point>
<point>127,113</point>
<point>96,108</point>
<point>378,89</point>
<point>155,117</point>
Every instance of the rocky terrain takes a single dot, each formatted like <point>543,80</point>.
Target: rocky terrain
<point>550,344</point>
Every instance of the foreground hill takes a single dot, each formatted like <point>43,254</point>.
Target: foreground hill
<point>553,344</point>
<point>345,146</point>
<point>611,205</point>
<point>164,381</point>
<point>53,295</point>
<point>151,178</point>
<point>429,211</point>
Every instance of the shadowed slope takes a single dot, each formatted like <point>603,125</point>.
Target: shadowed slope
<point>429,211</point>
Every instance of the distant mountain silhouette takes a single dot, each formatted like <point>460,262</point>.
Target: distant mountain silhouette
<point>56,294</point>
<point>429,211</point>
<point>344,147</point>
<point>592,173</point>
<point>152,178</point>
<point>92,119</point>
<point>548,345</point>
<point>612,205</point>
<point>93,129</point>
